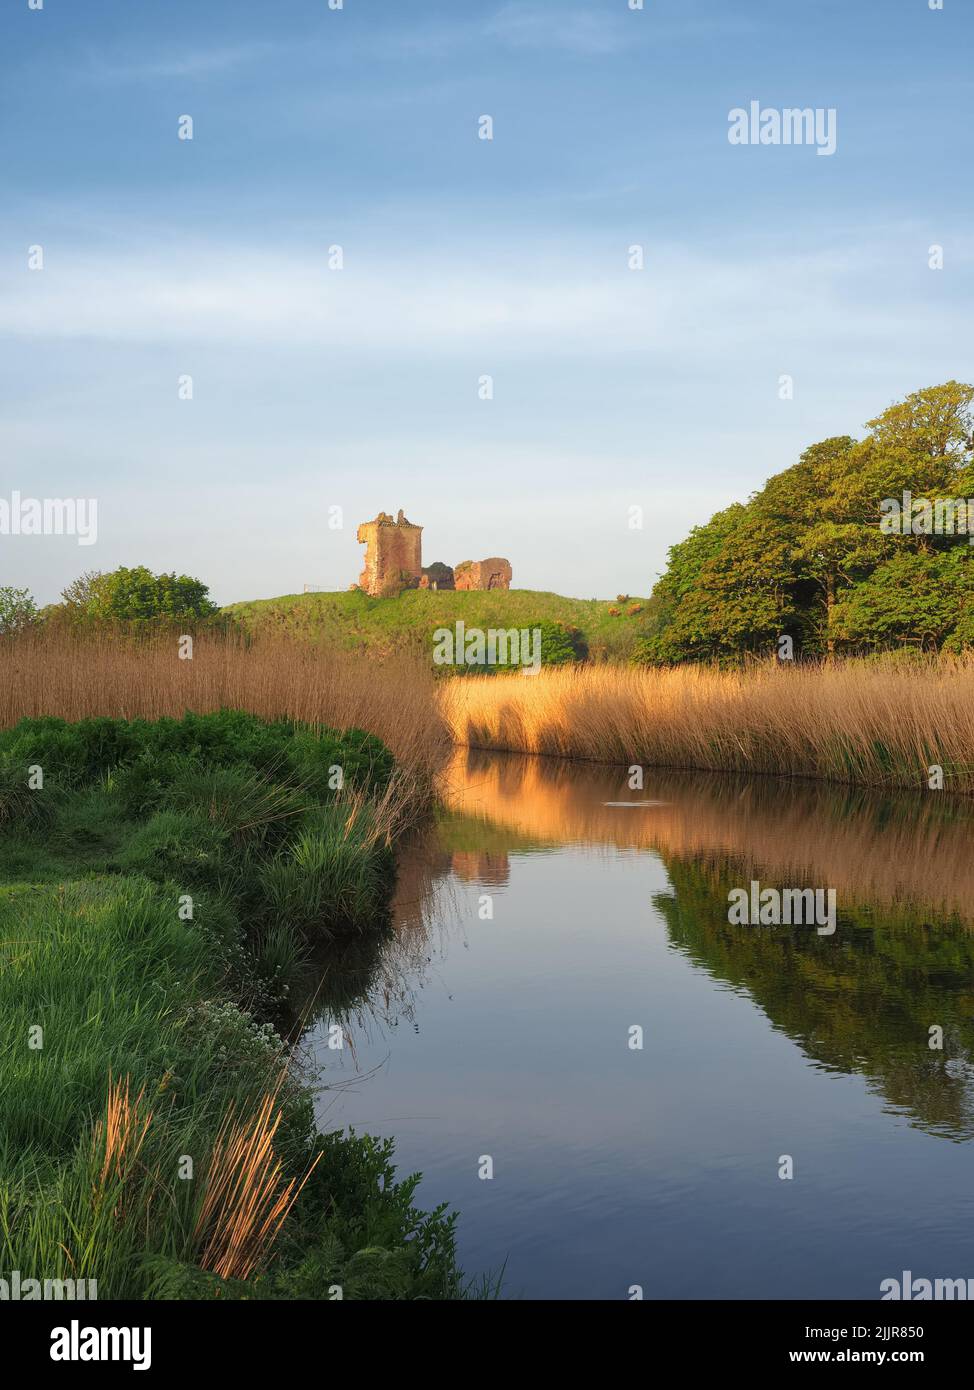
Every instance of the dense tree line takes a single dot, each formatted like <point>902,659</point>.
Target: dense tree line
<point>858,547</point>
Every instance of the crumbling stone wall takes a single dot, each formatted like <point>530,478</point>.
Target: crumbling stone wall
<point>494,573</point>
<point>393,555</point>
<point>437,576</point>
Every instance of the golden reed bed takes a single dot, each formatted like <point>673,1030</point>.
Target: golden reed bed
<point>854,722</point>
<point>870,724</point>
<point>77,678</point>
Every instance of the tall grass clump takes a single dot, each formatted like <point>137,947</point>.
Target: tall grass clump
<point>878,723</point>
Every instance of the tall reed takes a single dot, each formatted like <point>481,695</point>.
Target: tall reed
<point>76,676</point>
<point>855,722</point>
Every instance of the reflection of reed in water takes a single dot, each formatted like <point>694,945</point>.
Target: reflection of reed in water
<point>491,868</point>
<point>883,849</point>
<point>371,985</point>
<point>859,1003</point>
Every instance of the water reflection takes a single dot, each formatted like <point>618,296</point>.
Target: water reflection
<point>507,1035</point>
<point>891,851</point>
<point>864,1001</point>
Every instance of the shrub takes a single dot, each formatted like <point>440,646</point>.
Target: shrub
<point>137,594</point>
<point>561,644</point>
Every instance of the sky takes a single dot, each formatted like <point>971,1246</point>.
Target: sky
<point>361,388</point>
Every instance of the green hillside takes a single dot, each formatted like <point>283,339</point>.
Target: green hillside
<point>352,619</point>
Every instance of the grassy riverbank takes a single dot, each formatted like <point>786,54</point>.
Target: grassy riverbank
<point>159,883</point>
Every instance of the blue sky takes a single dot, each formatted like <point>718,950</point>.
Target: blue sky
<point>358,388</point>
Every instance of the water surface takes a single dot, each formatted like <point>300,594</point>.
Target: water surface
<point>508,1035</point>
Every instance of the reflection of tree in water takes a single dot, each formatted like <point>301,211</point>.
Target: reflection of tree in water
<point>861,1001</point>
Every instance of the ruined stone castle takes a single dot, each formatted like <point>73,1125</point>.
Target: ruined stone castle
<point>394,561</point>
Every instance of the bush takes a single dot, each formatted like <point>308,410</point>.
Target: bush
<point>561,644</point>
<point>137,594</point>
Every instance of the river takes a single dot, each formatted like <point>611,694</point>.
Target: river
<point>555,912</point>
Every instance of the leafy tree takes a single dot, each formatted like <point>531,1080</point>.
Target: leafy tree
<point>806,556</point>
<point>17,609</point>
<point>917,597</point>
<point>726,591</point>
<point>127,595</point>
<point>81,591</point>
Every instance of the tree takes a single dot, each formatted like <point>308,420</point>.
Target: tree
<point>81,591</point>
<point>935,423</point>
<point>127,595</point>
<point>916,598</point>
<point>831,544</point>
<point>17,609</point>
<point>806,556</point>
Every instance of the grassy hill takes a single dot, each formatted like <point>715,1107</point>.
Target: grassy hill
<point>352,619</point>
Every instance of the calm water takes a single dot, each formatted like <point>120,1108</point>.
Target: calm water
<point>613,1167</point>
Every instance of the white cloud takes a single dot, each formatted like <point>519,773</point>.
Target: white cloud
<point>685,306</point>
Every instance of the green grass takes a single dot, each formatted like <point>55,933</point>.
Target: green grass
<point>104,974</point>
<point>352,619</point>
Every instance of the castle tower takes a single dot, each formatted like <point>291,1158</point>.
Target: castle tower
<point>393,555</point>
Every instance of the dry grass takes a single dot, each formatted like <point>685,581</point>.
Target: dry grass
<point>246,1198</point>
<point>120,1135</point>
<point>867,724</point>
<point>861,723</point>
<point>76,678</point>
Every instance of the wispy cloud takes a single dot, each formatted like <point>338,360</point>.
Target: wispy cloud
<point>186,63</point>
<point>686,305</point>
<point>575,30</point>
<point>518,25</point>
